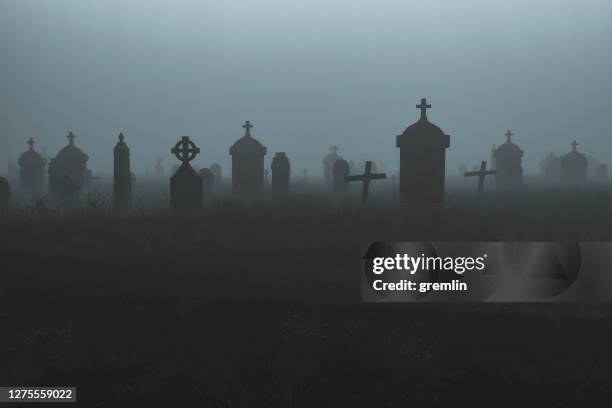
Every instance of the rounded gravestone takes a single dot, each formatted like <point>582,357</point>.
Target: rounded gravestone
<point>341,170</point>
<point>216,169</point>
<point>280,173</point>
<point>5,192</point>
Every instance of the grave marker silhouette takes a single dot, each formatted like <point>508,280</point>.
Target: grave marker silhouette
<point>32,171</point>
<point>122,176</point>
<point>366,178</point>
<point>208,182</point>
<point>185,185</point>
<point>281,172</point>
<point>574,167</point>
<point>482,173</point>
<point>340,172</point>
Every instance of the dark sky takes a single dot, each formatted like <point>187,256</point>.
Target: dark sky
<point>308,74</point>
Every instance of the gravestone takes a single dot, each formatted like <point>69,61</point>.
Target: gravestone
<point>508,159</point>
<point>159,171</point>
<point>68,174</point>
<point>340,172</point>
<point>602,172</point>
<point>122,176</point>
<point>247,165</point>
<point>5,192</point>
<point>216,169</point>
<point>32,172</point>
<point>422,161</point>
<point>481,174</point>
<point>185,184</point>
<point>574,167</point>
<point>328,165</point>
<point>366,178</point>
<point>208,183</point>
<point>550,168</point>
<point>281,173</point>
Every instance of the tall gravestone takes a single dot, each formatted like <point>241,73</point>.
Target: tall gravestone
<point>247,165</point>
<point>340,172</point>
<point>208,183</point>
<point>32,172</point>
<point>422,161</point>
<point>216,169</point>
<point>185,184</point>
<point>122,176</point>
<point>574,167</point>
<point>281,173</point>
<point>5,192</point>
<point>68,174</point>
<point>508,163</point>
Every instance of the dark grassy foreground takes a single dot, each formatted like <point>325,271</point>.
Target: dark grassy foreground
<point>259,306</point>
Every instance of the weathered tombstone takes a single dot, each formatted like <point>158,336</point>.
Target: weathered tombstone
<point>216,169</point>
<point>281,172</point>
<point>68,174</point>
<point>366,178</point>
<point>185,185</point>
<point>5,192</point>
<point>122,176</point>
<point>574,167</point>
<point>32,172</point>
<point>247,165</point>
<point>328,165</point>
<point>602,172</point>
<point>482,173</point>
<point>422,161</point>
<point>208,183</point>
<point>341,171</point>
<point>509,164</point>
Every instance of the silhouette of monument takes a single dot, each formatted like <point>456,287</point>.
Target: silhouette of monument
<point>574,167</point>
<point>482,173</point>
<point>159,171</point>
<point>32,171</point>
<point>340,172</point>
<point>68,173</point>
<point>602,172</point>
<point>281,172</point>
<point>216,169</point>
<point>366,178</point>
<point>508,159</point>
<point>5,192</point>
<point>328,165</point>
<point>550,168</point>
<point>185,185</point>
<point>422,161</point>
<point>247,165</point>
<point>208,182</point>
<point>122,176</point>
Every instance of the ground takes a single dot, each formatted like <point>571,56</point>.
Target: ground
<point>259,305</point>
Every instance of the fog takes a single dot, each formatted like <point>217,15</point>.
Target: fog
<point>307,74</point>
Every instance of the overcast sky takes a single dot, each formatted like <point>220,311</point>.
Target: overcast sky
<point>308,74</point>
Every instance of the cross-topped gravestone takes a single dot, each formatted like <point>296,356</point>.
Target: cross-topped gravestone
<point>122,176</point>
<point>482,173</point>
<point>366,178</point>
<point>186,191</point>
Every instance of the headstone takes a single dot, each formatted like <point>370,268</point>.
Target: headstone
<point>602,172</point>
<point>574,167</point>
<point>550,168</point>
<point>366,178</point>
<point>159,171</point>
<point>68,174</point>
<point>216,169</point>
<point>482,173</point>
<point>341,171</point>
<point>328,165</point>
<point>185,185</point>
<point>122,176</point>
<point>422,161</point>
<point>281,173</point>
<point>509,164</point>
<point>208,183</point>
<point>247,165</point>
<point>32,172</point>
<point>5,192</point>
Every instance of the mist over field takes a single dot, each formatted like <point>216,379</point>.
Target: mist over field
<point>308,74</point>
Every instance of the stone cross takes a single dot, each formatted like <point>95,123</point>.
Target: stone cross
<point>247,126</point>
<point>423,107</point>
<point>509,135</point>
<point>482,173</point>
<point>574,145</point>
<point>71,137</point>
<point>185,150</point>
<point>31,143</point>
<point>365,178</point>
<point>334,149</point>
